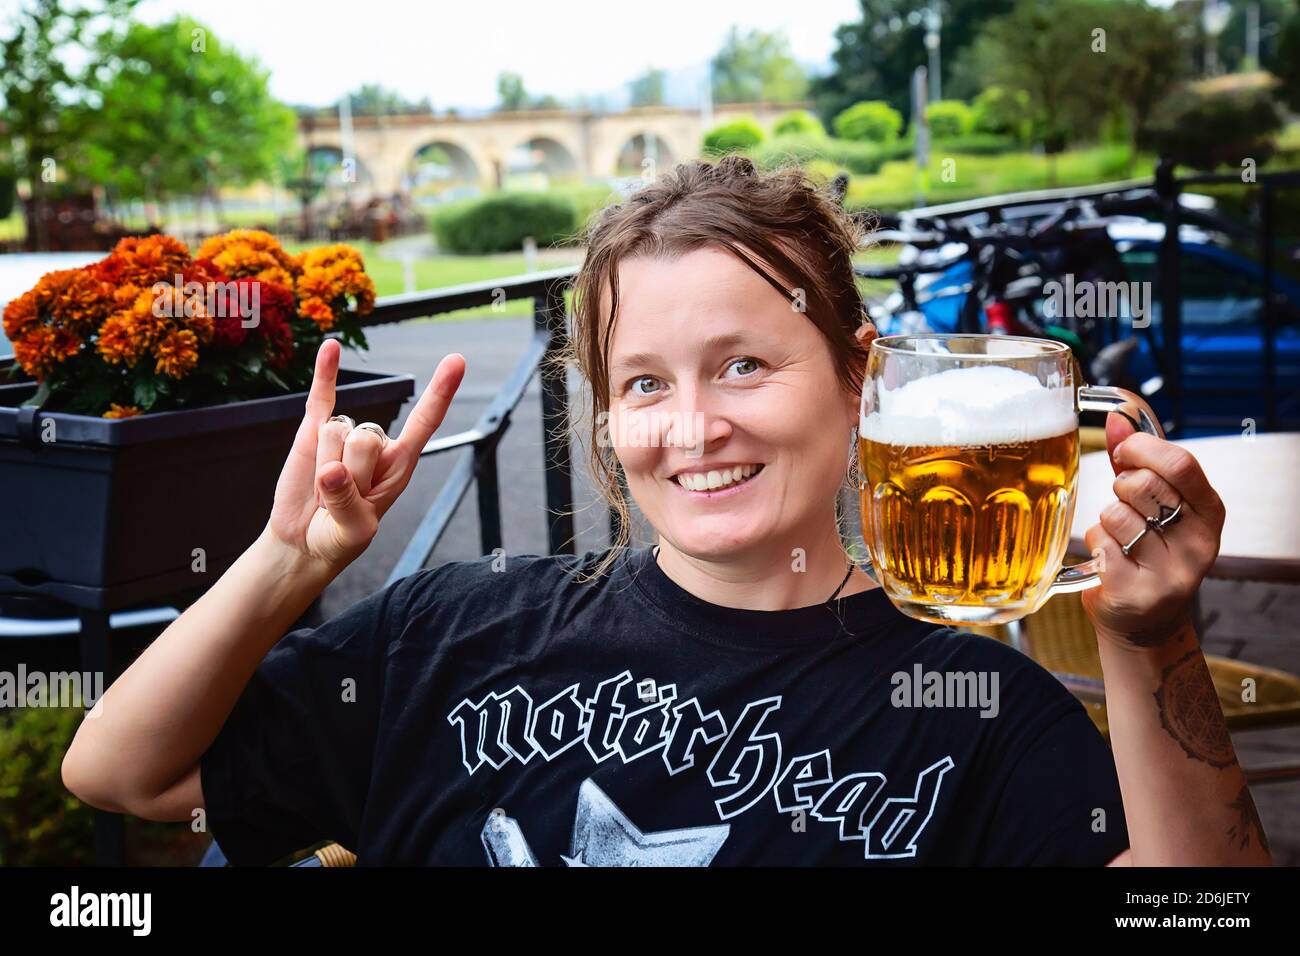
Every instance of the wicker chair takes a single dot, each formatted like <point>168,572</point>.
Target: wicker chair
<point>331,854</point>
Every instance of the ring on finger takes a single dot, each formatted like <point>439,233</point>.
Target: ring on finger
<point>345,420</point>
<point>1157,523</point>
<point>1167,516</point>
<point>1128,548</point>
<point>377,429</point>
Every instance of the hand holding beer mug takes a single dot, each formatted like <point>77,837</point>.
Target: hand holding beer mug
<point>968,452</point>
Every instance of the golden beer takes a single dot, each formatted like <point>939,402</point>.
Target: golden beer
<point>980,524</point>
<point>968,453</point>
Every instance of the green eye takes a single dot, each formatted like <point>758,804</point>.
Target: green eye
<point>746,361</point>
<point>643,378</point>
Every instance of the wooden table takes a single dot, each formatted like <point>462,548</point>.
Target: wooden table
<point>1258,478</point>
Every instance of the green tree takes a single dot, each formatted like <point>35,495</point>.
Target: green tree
<point>875,55</point>
<point>648,89</point>
<point>1081,62</point>
<point>1147,56</point>
<point>1287,66</point>
<point>1003,112</point>
<point>510,92</point>
<point>182,113</point>
<point>1046,49</point>
<point>372,99</point>
<point>44,76</point>
<point>757,67</point>
<point>1232,49</point>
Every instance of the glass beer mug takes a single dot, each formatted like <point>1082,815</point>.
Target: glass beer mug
<point>968,455</point>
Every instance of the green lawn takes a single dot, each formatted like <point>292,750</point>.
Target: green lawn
<point>441,271</point>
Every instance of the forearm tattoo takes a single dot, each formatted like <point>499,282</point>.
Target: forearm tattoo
<point>1190,712</point>
<point>1160,634</point>
<point>1240,831</point>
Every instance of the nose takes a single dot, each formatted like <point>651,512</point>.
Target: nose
<point>699,420</point>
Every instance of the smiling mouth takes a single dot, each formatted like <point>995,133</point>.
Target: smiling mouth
<point>718,480</point>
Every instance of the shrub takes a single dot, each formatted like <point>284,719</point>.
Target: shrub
<point>1207,129</point>
<point>741,133</point>
<point>860,158</point>
<point>949,119</point>
<point>1003,112</point>
<point>41,823</point>
<point>873,121</point>
<point>978,144</point>
<point>500,223</point>
<point>798,123</point>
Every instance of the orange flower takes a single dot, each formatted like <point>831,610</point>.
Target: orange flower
<point>145,261</point>
<point>251,254</point>
<point>42,347</point>
<point>333,277</point>
<point>130,332</point>
<point>318,311</point>
<point>121,411</point>
<point>177,353</point>
<point>19,314</point>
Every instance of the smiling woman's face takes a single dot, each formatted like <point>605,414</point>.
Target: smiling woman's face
<point>710,369</point>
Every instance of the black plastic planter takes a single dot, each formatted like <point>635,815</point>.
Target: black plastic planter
<point>124,506</point>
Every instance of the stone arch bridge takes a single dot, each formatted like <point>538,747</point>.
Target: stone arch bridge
<point>481,149</point>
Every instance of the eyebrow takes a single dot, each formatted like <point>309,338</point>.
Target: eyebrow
<point>713,342</point>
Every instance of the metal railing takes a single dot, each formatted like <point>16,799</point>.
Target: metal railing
<point>478,464</point>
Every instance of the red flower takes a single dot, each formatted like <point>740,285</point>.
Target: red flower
<point>251,306</point>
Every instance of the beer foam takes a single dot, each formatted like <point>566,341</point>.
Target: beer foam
<point>976,405</point>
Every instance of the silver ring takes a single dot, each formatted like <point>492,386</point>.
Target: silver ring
<point>345,420</point>
<point>372,427</point>
<point>1157,523</point>
<point>1165,518</point>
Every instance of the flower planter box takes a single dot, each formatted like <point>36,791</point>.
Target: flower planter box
<point>123,505</point>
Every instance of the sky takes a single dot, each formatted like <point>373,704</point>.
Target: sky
<point>453,51</point>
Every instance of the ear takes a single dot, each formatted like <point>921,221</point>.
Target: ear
<point>866,333</point>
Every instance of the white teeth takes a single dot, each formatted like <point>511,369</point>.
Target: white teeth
<point>712,480</point>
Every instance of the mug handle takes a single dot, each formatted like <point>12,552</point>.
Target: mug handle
<point>1105,398</point>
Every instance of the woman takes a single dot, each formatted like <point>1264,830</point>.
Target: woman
<point>728,696</point>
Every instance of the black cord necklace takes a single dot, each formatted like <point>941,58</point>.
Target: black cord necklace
<point>847,574</point>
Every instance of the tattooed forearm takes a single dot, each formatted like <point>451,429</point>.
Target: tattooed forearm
<point>1241,830</point>
<point>1190,712</point>
<point>1162,633</point>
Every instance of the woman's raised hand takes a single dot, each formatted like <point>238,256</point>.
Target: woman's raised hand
<point>338,481</point>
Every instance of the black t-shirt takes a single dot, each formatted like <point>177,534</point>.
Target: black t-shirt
<point>475,714</point>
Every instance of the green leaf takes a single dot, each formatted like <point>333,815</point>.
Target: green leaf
<point>146,393</point>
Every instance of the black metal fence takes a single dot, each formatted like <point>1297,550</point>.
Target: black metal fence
<point>478,463</point>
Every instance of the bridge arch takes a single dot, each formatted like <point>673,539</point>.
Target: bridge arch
<point>632,156</point>
<point>543,153</point>
<point>326,161</point>
<point>443,160</point>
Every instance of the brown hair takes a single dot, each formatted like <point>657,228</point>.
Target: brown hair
<point>797,227</point>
